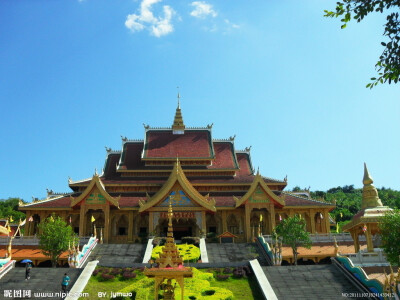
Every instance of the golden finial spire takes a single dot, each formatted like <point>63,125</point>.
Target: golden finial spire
<point>367,178</point>
<point>178,126</point>
<point>370,196</point>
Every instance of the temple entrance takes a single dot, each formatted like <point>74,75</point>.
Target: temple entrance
<point>182,228</point>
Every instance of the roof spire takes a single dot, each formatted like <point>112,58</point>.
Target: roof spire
<point>370,196</point>
<point>178,126</point>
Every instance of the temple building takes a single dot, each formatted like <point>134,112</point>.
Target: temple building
<point>214,188</point>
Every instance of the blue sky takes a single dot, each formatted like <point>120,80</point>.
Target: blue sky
<point>75,75</point>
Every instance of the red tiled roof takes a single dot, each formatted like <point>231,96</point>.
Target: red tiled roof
<point>224,156</point>
<point>223,201</point>
<point>130,201</point>
<point>110,165</point>
<point>52,203</point>
<point>165,144</point>
<point>244,164</point>
<point>295,200</point>
<point>132,156</point>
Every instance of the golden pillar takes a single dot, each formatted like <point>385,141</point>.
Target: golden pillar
<point>82,221</point>
<point>151,224</point>
<point>28,224</point>
<point>354,235</point>
<point>327,224</point>
<point>370,246</point>
<point>272,217</point>
<point>106,224</point>
<point>203,222</point>
<point>224,224</point>
<point>312,219</point>
<point>130,227</point>
<point>247,228</point>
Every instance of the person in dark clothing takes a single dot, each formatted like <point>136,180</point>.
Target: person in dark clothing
<point>28,271</point>
<point>64,283</point>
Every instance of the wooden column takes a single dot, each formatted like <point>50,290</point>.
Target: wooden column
<point>312,218</point>
<point>130,227</point>
<point>107,223</point>
<point>224,224</point>
<point>327,224</point>
<point>370,246</point>
<point>82,219</point>
<point>247,222</point>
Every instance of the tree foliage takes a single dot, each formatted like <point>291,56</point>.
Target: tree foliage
<point>293,233</point>
<point>390,234</point>
<point>348,200</point>
<point>388,65</point>
<point>55,237</point>
<point>9,208</point>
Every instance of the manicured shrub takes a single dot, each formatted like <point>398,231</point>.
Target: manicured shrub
<point>247,270</point>
<point>106,277</point>
<point>222,277</point>
<point>95,272</point>
<point>116,271</point>
<point>239,272</point>
<point>129,275</point>
<point>228,271</point>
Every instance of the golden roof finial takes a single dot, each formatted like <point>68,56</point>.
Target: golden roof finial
<point>367,178</point>
<point>178,126</point>
<point>179,98</point>
<point>370,197</point>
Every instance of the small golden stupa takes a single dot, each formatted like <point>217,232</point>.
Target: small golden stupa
<point>170,265</point>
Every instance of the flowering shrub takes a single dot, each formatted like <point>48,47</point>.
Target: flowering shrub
<point>189,253</point>
<point>196,288</point>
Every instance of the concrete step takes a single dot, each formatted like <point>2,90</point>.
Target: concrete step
<point>309,282</point>
<point>42,280</point>
<point>118,255</point>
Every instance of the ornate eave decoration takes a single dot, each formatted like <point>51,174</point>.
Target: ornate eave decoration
<point>178,176</point>
<point>95,182</point>
<point>258,180</point>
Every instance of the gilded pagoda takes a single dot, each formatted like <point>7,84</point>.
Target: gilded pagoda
<point>213,188</point>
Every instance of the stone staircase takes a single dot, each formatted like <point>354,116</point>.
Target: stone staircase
<point>309,282</point>
<point>42,280</point>
<point>118,255</point>
<point>232,252</point>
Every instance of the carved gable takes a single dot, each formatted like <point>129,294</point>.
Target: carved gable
<point>178,199</point>
<point>259,196</point>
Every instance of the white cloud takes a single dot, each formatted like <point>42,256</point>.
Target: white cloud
<point>232,25</point>
<point>202,10</point>
<point>158,26</point>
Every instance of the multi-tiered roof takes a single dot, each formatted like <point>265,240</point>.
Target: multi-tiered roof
<point>213,167</point>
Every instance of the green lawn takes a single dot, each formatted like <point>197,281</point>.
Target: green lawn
<point>243,288</point>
